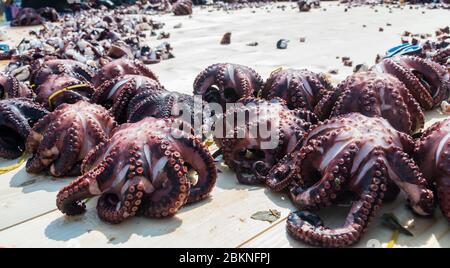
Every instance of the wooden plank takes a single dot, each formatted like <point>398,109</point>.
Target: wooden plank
<point>221,221</point>
<point>428,232</point>
<point>24,196</point>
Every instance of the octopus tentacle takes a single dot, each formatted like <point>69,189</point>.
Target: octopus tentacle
<point>309,228</point>
<point>427,80</point>
<point>166,201</point>
<point>11,87</point>
<point>325,190</point>
<point>61,140</point>
<point>69,199</point>
<point>68,158</point>
<point>114,210</point>
<point>443,192</point>
<point>143,169</point>
<point>299,88</point>
<point>121,67</point>
<point>117,93</point>
<point>411,182</point>
<point>253,155</point>
<point>44,152</point>
<point>226,83</point>
<point>17,116</point>
<point>374,94</point>
<point>201,162</point>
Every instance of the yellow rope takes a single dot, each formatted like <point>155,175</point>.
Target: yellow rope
<point>55,94</point>
<point>276,70</point>
<point>12,167</point>
<point>393,240</point>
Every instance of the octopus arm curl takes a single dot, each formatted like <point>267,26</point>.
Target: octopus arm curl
<point>115,211</point>
<point>173,194</point>
<point>309,228</point>
<point>324,191</point>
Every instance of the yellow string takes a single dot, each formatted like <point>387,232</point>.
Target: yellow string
<point>12,167</point>
<point>276,70</point>
<point>393,240</point>
<point>55,94</point>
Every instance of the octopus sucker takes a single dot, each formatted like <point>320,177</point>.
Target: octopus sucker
<point>142,169</point>
<point>17,117</point>
<point>374,94</point>
<point>432,155</point>
<point>353,156</point>
<point>224,83</point>
<point>60,140</point>
<point>299,88</point>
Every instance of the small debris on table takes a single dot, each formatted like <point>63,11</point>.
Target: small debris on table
<point>333,71</point>
<point>302,39</point>
<point>252,44</point>
<point>270,215</point>
<point>163,35</point>
<point>362,67</point>
<point>445,107</point>
<point>226,39</point>
<point>178,25</point>
<point>282,44</point>
<point>378,58</point>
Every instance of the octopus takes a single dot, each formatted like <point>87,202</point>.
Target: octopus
<point>70,68</point>
<point>169,104</point>
<point>145,169</point>
<point>442,56</point>
<point>374,94</point>
<point>58,89</point>
<point>428,81</point>
<point>351,157</point>
<point>27,17</point>
<point>432,155</point>
<point>60,140</point>
<point>224,83</point>
<point>182,8</point>
<point>17,117</point>
<point>116,94</point>
<point>10,87</point>
<point>299,88</point>
<point>119,68</point>
<point>49,14</point>
<point>251,153</point>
